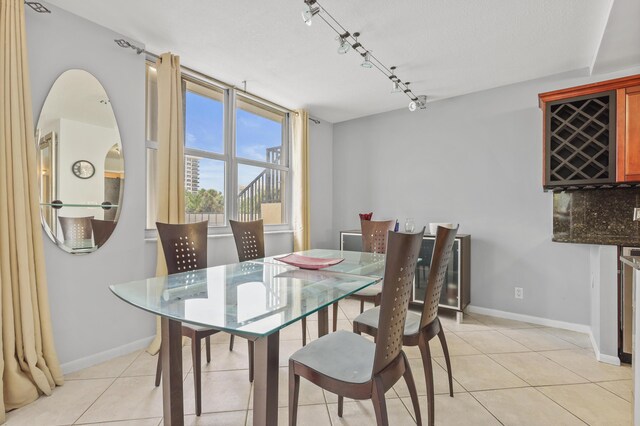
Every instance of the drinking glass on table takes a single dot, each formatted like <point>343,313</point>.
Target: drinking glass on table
<point>409,225</point>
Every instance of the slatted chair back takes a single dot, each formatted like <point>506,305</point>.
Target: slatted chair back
<point>76,228</point>
<point>399,272</point>
<point>184,245</point>
<point>249,237</point>
<point>437,273</point>
<point>374,235</point>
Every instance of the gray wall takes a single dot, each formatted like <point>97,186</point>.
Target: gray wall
<point>604,301</point>
<point>89,323</point>
<point>321,177</point>
<point>87,318</point>
<point>474,160</point>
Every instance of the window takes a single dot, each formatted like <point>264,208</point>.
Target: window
<point>262,160</point>
<point>252,161</point>
<point>204,159</point>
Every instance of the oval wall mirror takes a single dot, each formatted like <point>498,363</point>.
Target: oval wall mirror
<point>80,163</point>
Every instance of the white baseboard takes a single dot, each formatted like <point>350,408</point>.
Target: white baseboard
<point>581,328</point>
<point>88,361</point>
<point>607,359</point>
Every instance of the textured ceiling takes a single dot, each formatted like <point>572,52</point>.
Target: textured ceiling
<point>444,47</point>
<point>620,45</point>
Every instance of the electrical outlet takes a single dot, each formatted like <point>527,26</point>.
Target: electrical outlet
<point>519,293</point>
<point>636,214</point>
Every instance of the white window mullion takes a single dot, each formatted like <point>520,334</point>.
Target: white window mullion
<point>230,148</point>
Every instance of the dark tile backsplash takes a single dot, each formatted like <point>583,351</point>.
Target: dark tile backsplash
<point>596,216</point>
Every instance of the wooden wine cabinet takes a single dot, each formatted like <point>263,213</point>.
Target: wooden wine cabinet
<point>592,135</point>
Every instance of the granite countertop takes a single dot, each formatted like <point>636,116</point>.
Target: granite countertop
<point>633,261</point>
<point>599,240</point>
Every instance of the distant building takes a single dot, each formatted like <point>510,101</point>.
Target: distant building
<point>191,174</point>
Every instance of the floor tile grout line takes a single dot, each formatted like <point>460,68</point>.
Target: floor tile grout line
<point>531,384</point>
<point>413,416</point>
<point>246,414</point>
<point>326,406</point>
<point>504,335</point>
<point>611,392</point>
<point>532,349</point>
<point>573,371</point>
<point>113,380</point>
<point>566,408</point>
<point>118,421</point>
<point>131,363</point>
<point>562,338</point>
<point>483,406</point>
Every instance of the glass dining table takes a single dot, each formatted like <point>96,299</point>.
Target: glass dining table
<point>254,300</point>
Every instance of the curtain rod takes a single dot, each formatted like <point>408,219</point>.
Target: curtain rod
<point>126,44</point>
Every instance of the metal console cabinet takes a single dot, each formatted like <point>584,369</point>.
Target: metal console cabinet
<point>456,293</point>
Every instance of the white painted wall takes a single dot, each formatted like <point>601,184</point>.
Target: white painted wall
<point>82,141</point>
<point>604,302</point>
<point>474,160</point>
<point>321,184</point>
<point>87,318</point>
<point>89,323</point>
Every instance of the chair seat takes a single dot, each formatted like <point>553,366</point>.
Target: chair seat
<point>371,291</point>
<point>196,327</point>
<point>370,318</point>
<point>341,355</point>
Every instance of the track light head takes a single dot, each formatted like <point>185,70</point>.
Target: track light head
<point>309,12</point>
<point>419,102</point>
<point>367,60</point>
<point>344,44</point>
<point>395,80</point>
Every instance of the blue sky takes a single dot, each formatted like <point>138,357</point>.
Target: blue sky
<point>203,130</point>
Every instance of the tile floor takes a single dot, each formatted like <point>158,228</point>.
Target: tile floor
<point>505,372</point>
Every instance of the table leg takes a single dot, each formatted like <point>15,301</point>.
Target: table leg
<point>172,400</point>
<point>323,322</point>
<point>265,382</point>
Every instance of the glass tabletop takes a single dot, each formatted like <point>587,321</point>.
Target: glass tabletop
<point>355,262</point>
<point>252,298</point>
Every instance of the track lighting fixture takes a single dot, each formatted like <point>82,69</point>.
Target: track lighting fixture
<point>395,80</point>
<point>37,6</point>
<point>349,41</point>
<point>419,102</point>
<point>367,60</point>
<point>309,11</point>
<point>344,44</point>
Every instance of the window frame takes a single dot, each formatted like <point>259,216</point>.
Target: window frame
<point>229,155</point>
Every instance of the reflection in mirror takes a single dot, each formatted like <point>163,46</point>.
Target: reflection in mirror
<point>80,163</point>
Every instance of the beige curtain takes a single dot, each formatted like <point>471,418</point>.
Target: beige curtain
<point>170,183</point>
<point>300,168</point>
<point>28,362</point>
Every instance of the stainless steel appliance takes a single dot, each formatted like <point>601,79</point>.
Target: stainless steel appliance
<point>625,311</point>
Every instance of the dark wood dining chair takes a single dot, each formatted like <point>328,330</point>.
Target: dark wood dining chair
<point>374,240</point>
<point>76,228</point>
<point>102,230</point>
<point>185,249</point>
<point>352,366</point>
<point>420,328</point>
<point>249,238</point>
